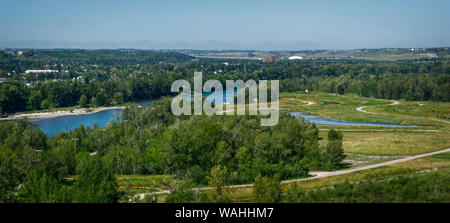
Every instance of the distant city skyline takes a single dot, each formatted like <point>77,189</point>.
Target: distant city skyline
<point>211,25</point>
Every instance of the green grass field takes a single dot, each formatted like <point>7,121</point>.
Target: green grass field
<point>437,110</point>
<point>378,140</point>
<point>395,143</point>
<point>344,107</point>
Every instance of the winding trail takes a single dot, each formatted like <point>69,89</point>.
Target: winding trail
<point>361,109</point>
<point>308,103</point>
<point>316,175</point>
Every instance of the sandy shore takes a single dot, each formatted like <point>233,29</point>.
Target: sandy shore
<point>43,115</point>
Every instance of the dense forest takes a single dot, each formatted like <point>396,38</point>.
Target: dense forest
<point>72,59</point>
<point>35,168</point>
<point>15,96</point>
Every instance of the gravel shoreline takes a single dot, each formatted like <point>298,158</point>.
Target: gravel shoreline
<point>45,115</point>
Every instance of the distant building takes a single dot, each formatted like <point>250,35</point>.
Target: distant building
<point>271,58</point>
<point>40,71</point>
<point>295,58</point>
<point>2,80</point>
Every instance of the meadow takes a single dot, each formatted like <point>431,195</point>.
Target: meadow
<point>433,134</point>
<point>344,107</point>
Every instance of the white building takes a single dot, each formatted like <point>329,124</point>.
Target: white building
<point>295,58</point>
<point>40,71</point>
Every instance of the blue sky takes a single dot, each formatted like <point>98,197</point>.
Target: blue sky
<point>266,25</point>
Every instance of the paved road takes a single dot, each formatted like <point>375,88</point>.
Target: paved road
<point>317,175</point>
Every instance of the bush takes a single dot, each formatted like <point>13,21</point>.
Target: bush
<point>183,193</point>
<point>332,154</point>
<point>266,189</point>
<point>427,187</point>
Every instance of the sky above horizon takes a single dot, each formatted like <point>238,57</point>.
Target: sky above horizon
<point>232,24</point>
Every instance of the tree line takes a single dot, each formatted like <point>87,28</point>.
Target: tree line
<point>15,96</point>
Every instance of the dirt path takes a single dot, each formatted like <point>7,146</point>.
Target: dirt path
<point>308,103</point>
<point>361,109</point>
<point>440,120</point>
<point>317,175</point>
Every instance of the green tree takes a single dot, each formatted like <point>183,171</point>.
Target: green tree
<point>266,189</point>
<point>34,101</point>
<point>218,179</point>
<point>223,154</point>
<point>118,97</point>
<point>12,97</point>
<point>40,188</point>
<point>101,99</point>
<point>83,102</point>
<point>95,182</point>
<point>334,135</point>
<point>182,193</point>
<point>332,154</point>
<point>9,175</point>
<point>46,104</point>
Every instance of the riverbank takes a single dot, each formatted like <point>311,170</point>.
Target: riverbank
<point>58,113</point>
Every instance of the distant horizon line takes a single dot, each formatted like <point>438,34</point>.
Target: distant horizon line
<point>190,49</point>
<point>205,45</point>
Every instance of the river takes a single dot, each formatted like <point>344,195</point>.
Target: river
<point>51,126</point>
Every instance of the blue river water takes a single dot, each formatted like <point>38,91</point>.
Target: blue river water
<point>217,97</point>
<point>51,126</point>
<point>327,121</point>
